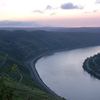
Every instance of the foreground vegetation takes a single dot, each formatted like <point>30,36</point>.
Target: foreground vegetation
<point>12,90</point>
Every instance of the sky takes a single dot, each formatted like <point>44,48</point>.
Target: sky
<point>49,13</point>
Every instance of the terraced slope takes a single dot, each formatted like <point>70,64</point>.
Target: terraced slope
<point>13,87</point>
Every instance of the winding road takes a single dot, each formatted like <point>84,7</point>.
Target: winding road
<point>4,60</point>
<point>5,57</point>
<point>87,64</point>
<point>96,66</point>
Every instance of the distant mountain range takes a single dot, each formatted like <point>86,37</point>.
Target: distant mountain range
<point>56,29</point>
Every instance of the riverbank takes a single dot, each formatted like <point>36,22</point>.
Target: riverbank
<point>67,76</point>
<point>91,67</point>
<point>34,74</point>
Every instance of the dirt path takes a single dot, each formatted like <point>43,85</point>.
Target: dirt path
<point>4,60</point>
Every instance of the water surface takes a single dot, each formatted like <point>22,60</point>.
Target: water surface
<point>63,73</point>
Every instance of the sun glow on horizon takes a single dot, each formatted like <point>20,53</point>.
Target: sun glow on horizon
<point>51,13</point>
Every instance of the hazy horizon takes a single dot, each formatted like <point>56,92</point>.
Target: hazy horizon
<point>49,13</point>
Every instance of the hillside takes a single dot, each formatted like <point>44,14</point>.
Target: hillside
<point>17,47</point>
<point>12,87</point>
<point>12,90</point>
<point>92,65</point>
<point>24,71</point>
<point>56,29</point>
<point>24,42</point>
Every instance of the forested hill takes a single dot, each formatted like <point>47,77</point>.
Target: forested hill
<point>56,29</point>
<point>21,43</point>
<point>92,65</point>
<point>18,46</point>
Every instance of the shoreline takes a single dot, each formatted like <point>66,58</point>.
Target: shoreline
<point>34,74</point>
<point>36,77</point>
<point>87,68</point>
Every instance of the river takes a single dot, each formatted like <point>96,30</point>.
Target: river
<point>63,73</point>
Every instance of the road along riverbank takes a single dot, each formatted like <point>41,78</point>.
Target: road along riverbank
<point>63,73</point>
<point>34,74</point>
<point>91,69</point>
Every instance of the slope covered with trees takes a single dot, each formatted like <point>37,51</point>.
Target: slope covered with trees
<point>92,65</point>
<point>24,42</point>
<point>16,47</point>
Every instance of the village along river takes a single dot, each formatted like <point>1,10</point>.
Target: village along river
<point>63,73</point>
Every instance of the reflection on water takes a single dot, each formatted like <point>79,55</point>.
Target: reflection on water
<point>64,74</point>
